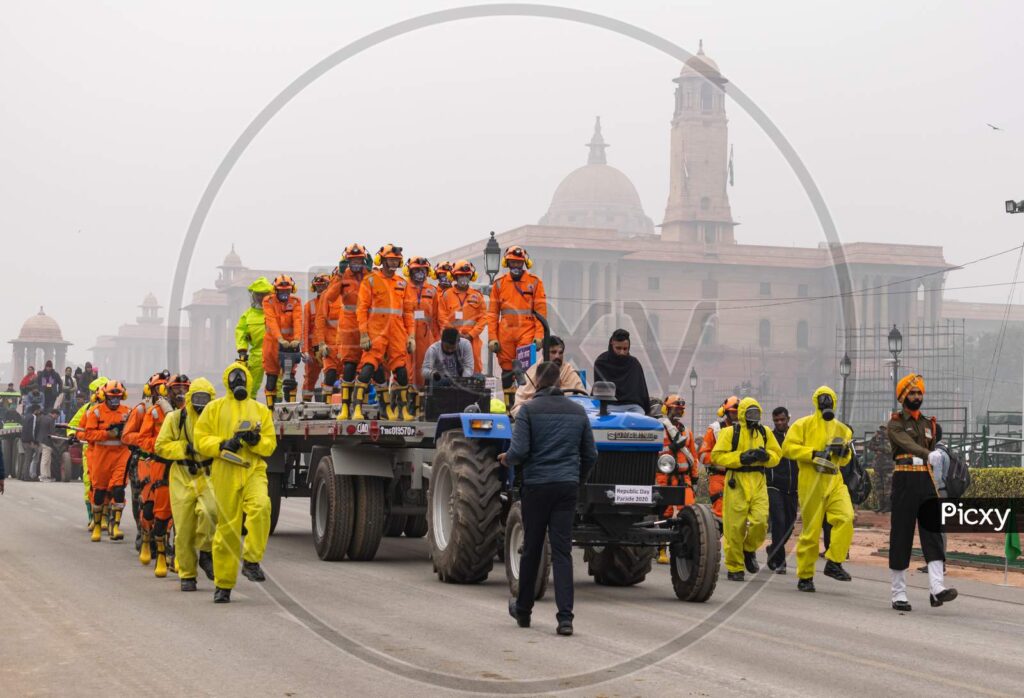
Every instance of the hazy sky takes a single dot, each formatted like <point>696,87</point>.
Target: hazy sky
<point>115,115</point>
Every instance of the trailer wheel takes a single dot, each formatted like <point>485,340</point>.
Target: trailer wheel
<point>464,509</point>
<point>695,561</point>
<point>514,541</point>
<point>369,518</point>
<point>416,526</point>
<point>619,565</point>
<point>331,511</point>
<point>274,488</point>
<point>395,525</point>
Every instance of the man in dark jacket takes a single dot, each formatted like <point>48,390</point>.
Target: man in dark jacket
<point>617,366</point>
<point>51,384</point>
<point>782,497</point>
<point>553,449</point>
<point>29,447</point>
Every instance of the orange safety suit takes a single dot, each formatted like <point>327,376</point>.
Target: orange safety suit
<point>157,489</point>
<point>510,318</point>
<point>381,314</point>
<point>312,336</point>
<point>284,324</point>
<point>338,306</point>
<point>716,475</point>
<point>466,311</point>
<point>679,444</point>
<point>108,457</point>
<point>421,303</point>
<point>130,437</point>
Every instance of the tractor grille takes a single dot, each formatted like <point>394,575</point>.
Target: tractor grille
<point>624,468</point>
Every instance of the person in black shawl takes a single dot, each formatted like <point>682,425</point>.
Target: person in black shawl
<point>617,366</point>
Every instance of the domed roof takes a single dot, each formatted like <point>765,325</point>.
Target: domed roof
<point>598,195</point>
<point>232,259</point>
<point>700,66</point>
<point>41,328</point>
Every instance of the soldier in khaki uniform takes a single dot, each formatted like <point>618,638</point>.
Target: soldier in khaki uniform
<point>913,437</point>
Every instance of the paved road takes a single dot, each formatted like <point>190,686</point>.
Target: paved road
<point>84,618</point>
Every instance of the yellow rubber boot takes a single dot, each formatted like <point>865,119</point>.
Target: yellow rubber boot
<point>145,555</point>
<point>403,401</point>
<point>346,395</point>
<point>662,555</point>
<point>161,557</point>
<point>97,525</point>
<point>357,401</point>
<point>116,533</point>
<point>270,399</point>
<point>108,521</point>
<point>384,400</point>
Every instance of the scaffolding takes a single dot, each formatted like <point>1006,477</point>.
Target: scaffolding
<point>935,351</point>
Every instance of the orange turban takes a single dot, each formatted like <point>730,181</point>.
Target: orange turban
<point>908,383</point>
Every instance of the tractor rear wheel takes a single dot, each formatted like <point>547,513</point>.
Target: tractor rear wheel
<point>619,565</point>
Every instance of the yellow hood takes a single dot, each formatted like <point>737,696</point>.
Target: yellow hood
<point>824,390</point>
<point>237,365</point>
<point>745,404</point>
<point>199,385</point>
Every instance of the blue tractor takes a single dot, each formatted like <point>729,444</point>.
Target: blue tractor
<point>619,516</point>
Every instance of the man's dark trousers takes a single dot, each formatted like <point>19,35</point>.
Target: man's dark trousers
<point>782,507</point>
<point>547,508</point>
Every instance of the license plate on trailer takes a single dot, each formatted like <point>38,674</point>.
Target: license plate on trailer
<point>634,494</point>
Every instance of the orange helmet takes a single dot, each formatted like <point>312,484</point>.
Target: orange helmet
<point>355,251</point>
<point>283,282</point>
<point>418,263</point>
<point>516,253</point>
<point>156,384</point>
<point>388,251</point>
<point>112,389</point>
<point>673,402</point>
<point>731,403</point>
<point>464,267</point>
<point>179,380</point>
<point>319,283</point>
<point>443,269</point>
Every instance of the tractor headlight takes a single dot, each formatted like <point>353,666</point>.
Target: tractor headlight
<point>666,463</point>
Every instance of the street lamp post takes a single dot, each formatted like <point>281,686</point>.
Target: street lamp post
<point>895,347</point>
<point>844,370</point>
<point>693,399</point>
<point>492,264</point>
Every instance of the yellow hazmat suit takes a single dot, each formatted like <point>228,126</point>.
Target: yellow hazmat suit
<point>249,333</point>
<point>192,502</point>
<point>745,508</point>
<point>239,489</point>
<point>820,494</point>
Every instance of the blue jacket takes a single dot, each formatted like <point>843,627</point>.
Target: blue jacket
<point>552,440</point>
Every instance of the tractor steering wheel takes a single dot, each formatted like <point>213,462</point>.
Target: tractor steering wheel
<point>575,391</point>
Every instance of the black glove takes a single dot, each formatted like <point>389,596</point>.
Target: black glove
<point>250,437</point>
<point>748,457</point>
<point>761,454</point>
<point>233,444</point>
<point>820,454</point>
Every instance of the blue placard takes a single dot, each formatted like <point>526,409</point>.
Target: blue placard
<point>526,355</point>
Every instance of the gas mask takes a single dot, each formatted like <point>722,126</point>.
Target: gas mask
<point>113,402</point>
<point>199,401</point>
<point>462,282</point>
<point>356,266</point>
<point>418,276</point>
<point>237,384</point>
<point>827,406</point>
<point>516,272</point>
<point>283,296</point>
<point>178,397</point>
<point>445,281</point>
<point>912,405</point>
<point>752,416</point>
<point>256,300</point>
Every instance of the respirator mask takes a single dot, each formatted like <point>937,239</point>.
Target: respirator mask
<point>237,384</point>
<point>827,406</point>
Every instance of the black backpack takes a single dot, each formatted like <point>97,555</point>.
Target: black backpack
<point>958,475</point>
<point>859,484</point>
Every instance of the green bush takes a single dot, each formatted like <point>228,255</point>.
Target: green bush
<point>985,482</point>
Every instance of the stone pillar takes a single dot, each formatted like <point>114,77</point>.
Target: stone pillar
<point>62,358</point>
